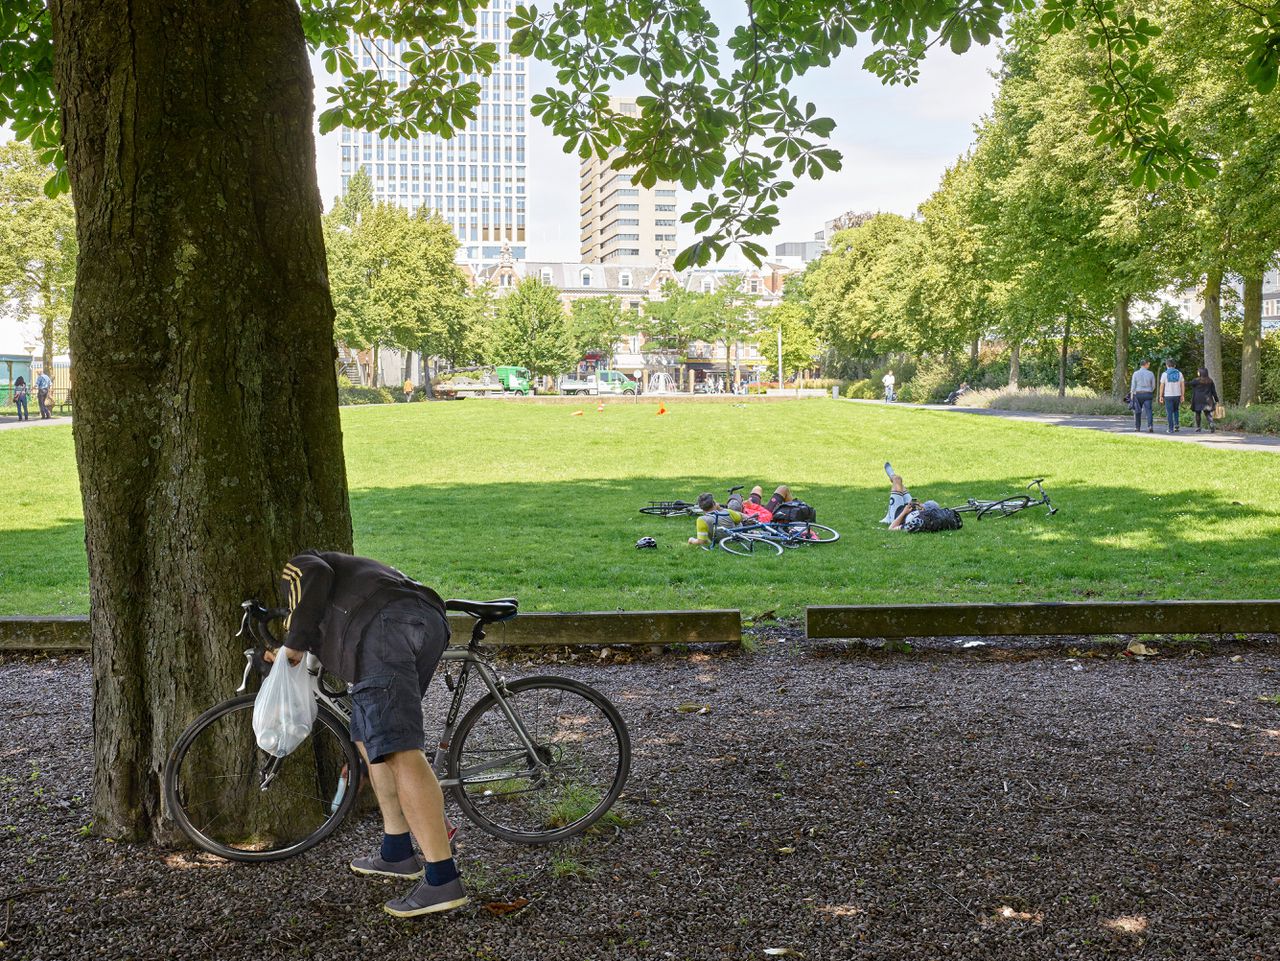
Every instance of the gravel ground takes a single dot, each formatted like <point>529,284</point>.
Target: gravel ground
<point>826,805</point>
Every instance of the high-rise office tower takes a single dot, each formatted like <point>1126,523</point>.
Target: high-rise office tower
<point>477,180</point>
<point>623,223</point>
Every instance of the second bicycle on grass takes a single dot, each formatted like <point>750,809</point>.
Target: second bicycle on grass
<point>533,760</point>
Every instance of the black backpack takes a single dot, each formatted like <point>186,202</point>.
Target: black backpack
<point>791,512</point>
<point>934,519</point>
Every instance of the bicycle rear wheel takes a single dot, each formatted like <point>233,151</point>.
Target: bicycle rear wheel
<point>213,785</point>
<point>674,509</point>
<point>582,754</point>
<point>813,533</point>
<point>744,545</point>
<point>1010,505</point>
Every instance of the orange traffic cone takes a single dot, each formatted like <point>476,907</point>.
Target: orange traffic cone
<point>662,409</point>
<point>600,406</point>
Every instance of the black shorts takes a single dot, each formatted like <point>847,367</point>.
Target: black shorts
<point>398,654</point>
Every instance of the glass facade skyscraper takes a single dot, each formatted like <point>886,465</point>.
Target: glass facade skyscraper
<point>477,180</point>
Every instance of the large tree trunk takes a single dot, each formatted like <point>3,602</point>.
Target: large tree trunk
<point>207,430</point>
<point>1062,358</point>
<point>975,348</point>
<point>1251,341</point>
<point>375,368</point>
<point>47,333</point>
<point>1120,376</point>
<point>1211,319</point>
<point>1015,363</point>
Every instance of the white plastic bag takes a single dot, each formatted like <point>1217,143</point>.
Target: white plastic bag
<point>285,708</point>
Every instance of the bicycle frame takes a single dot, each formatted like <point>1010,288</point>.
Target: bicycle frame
<point>472,658</point>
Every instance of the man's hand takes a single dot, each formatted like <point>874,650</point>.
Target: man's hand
<point>295,657</point>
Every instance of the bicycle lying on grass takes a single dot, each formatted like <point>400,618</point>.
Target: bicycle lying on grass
<point>1008,505</point>
<point>534,760</point>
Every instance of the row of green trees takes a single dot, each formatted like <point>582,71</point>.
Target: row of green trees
<point>1045,233</point>
<point>37,248</point>
<point>395,284</point>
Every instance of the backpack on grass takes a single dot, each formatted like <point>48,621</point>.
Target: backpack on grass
<point>933,518</point>
<point>790,512</point>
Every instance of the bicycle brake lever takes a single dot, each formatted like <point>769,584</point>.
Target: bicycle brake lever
<point>244,623</point>
<point>248,667</point>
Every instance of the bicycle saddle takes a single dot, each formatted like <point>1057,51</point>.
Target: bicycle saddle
<point>487,611</point>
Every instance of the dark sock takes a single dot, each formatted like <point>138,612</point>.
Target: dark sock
<point>397,847</point>
<point>441,872</point>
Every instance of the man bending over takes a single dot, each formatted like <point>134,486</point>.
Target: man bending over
<point>383,632</point>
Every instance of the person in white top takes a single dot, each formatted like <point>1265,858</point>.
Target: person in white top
<point>1172,387</point>
<point>889,380</point>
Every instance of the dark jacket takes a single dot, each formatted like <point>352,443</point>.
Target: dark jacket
<point>1204,393</point>
<point>333,597</point>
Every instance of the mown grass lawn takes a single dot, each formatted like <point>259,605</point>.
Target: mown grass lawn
<point>488,498</point>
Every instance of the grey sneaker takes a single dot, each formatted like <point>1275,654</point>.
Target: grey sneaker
<point>888,469</point>
<point>428,899</point>
<point>372,864</point>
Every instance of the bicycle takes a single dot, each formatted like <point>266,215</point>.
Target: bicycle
<point>534,760</point>
<point>1009,505</point>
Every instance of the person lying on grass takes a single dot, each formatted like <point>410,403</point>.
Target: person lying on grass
<point>714,521</point>
<point>753,507</point>
<point>899,496</point>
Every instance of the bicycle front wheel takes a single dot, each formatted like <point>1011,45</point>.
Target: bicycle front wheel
<point>578,764</point>
<point>744,545</point>
<point>1010,505</point>
<point>238,802</point>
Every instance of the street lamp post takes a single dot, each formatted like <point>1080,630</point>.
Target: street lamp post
<point>779,358</point>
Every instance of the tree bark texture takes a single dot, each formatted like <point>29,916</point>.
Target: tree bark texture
<point>207,430</point>
<point>1120,376</point>
<point>1211,319</point>
<point>1251,341</point>
<point>1062,358</point>
<point>1015,363</point>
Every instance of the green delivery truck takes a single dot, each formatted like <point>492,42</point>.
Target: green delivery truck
<point>515,380</point>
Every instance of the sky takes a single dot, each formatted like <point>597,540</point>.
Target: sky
<point>896,143</point>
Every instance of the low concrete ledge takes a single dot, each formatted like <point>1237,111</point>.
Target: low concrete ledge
<point>592,629</point>
<point>612,628</point>
<point>44,634</point>
<point>1067,618</point>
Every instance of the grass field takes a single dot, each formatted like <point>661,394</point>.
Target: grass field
<point>485,499</point>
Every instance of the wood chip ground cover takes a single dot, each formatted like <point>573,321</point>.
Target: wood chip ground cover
<point>823,807</point>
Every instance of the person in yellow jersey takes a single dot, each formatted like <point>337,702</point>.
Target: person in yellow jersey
<point>714,521</point>
<point>408,390</point>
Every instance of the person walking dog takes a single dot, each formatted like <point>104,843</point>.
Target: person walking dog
<point>1142,388</point>
<point>1172,388</point>
<point>384,633</point>
<point>1204,398</point>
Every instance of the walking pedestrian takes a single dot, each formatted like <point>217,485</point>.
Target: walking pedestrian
<point>408,390</point>
<point>43,386</point>
<point>20,398</point>
<point>1142,388</point>
<point>1172,387</point>
<point>1204,398</point>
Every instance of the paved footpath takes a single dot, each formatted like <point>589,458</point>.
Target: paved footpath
<point>12,423</point>
<point>1114,424</point>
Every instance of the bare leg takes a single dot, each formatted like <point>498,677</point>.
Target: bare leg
<point>421,801</point>
<point>384,787</point>
<point>899,485</point>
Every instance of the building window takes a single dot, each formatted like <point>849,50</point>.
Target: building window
<point>546,276</point>
<point>586,278</point>
<point>707,284</point>
<point>624,279</point>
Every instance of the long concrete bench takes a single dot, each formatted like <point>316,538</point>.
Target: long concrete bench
<point>1069,617</point>
<point>593,628</point>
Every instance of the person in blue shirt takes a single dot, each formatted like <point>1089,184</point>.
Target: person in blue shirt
<point>1142,388</point>
<point>43,386</point>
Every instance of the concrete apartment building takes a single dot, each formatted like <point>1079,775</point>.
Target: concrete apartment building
<point>623,223</point>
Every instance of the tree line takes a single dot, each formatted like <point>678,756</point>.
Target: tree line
<point>395,284</point>
<point>1046,232</point>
